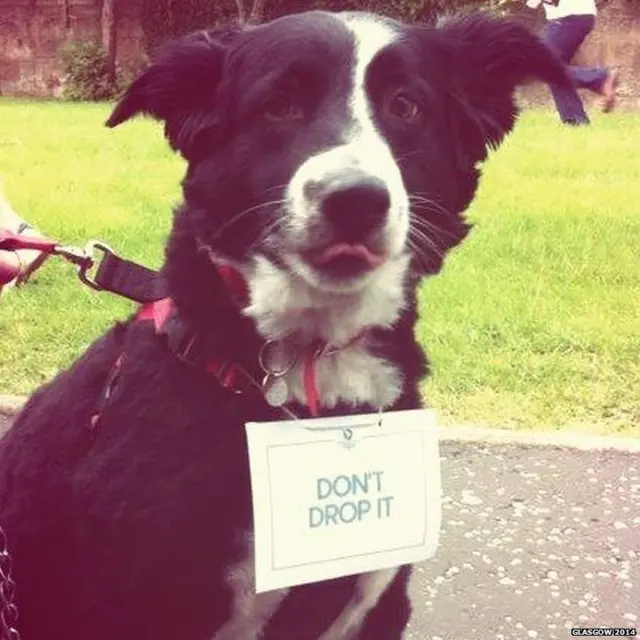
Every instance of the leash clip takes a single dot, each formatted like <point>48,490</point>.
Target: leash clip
<point>74,255</point>
<point>84,259</point>
<point>89,261</point>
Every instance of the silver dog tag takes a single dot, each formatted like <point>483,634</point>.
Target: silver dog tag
<point>275,390</point>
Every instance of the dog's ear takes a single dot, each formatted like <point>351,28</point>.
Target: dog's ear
<point>179,87</point>
<point>490,58</point>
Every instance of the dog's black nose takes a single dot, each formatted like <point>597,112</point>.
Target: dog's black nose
<point>356,205</point>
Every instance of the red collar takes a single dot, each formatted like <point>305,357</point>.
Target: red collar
<point>230,375</point>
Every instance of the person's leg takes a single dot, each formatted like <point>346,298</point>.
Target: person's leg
<point>565,36</point>
<point>592,78</point>
<point>598,80</point>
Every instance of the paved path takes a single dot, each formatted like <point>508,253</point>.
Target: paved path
<point>535,540</point>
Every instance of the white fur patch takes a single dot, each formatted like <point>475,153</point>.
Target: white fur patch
<point>371,35</point>
<point>368,590</point>
<point>284,307</point>
<point>354,377</point>
<point>363,149</point>
<point>251,611</point>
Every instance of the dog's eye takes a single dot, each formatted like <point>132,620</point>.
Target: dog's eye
<point>283,107</point>
<point>404,108</point>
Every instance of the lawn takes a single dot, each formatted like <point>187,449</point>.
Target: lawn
<point>534,322</point>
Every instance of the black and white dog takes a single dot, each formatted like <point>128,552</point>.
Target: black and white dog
<point>330,158</point>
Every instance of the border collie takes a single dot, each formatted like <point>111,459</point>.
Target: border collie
<point>330,158</point>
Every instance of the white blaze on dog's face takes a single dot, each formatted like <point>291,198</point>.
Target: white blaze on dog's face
<point>347,205</point>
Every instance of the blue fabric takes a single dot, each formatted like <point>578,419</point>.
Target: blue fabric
<point>565,36</point>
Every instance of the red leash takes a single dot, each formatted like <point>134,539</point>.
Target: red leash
<point>14,242</point>
<point>11,265</point>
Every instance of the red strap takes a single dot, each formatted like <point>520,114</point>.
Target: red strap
<point>310,386</point>
<point>11,266</point>
<point>234,281</point>
<point>158,311</point>
<point>15,242</point>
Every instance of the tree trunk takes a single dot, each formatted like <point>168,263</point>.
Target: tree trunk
<point>257,12</point>
<point>109,36</point>
<point>242,14</point>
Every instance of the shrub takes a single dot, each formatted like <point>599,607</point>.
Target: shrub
<point>86,75</point>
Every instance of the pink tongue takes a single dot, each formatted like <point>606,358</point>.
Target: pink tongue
<point>353,250</point>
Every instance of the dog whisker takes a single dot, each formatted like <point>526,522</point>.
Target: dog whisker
<point>429,226</point>
<point>245,212</point>
<point>425,241</point>
<point>428,204</point>
<point>418,253</point>
<point>269,229</point>
<point>406,156</point>
<point>278,187</point>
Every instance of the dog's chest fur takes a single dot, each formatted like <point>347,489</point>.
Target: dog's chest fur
<point>350,373</point>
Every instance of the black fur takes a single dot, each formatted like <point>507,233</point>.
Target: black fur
<point>125,531</point>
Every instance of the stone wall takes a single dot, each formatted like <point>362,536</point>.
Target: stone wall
<point>32,32</point>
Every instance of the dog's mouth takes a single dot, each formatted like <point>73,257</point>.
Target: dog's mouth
<point>344,260</point>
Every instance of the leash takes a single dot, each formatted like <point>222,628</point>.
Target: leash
<point>98,266</point>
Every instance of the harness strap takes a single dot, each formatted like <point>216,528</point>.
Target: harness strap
<point>188,346</point>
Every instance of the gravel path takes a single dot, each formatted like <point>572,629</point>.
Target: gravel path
<point>535,541</point>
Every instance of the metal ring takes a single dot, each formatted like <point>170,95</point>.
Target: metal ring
<point>263,356</point>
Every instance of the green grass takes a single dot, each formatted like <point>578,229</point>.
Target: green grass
<point>534,322</point>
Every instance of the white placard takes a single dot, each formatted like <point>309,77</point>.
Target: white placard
<point>327,505</point>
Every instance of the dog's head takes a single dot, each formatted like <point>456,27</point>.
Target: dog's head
<point>337,148</point>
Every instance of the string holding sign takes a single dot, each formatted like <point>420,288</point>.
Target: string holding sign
<point>347,432</point>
